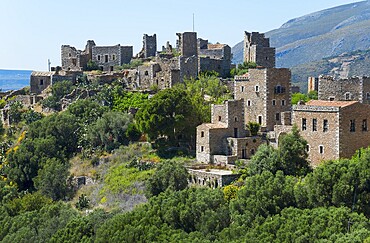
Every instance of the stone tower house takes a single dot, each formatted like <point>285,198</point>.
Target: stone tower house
<point>149,45</point>
<point>187,44</point>
<point>257,49</point>
<point>266,93</point>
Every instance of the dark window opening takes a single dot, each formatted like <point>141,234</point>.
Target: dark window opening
<point>325,126</point>
<point>279,89</point>
<point>283,102</point>
<point>308,148</point>
<point>242,88</point>
<point>249,103</point>
<point>304,124</point>
<point>98,57</point>
<point>321,148</point>
<point>202,134</point>
<point>252,151</point>
<point>364,125</point>
<point>41,82</point>
<point>219,118</point>
<point>348,96</point>
<point>273,102</point>
<point>236,119</point>
<point>257,88</point>
<point>235,132</point>
<point>74,61</point>
<point>111,68</point>
<point>244,153</point>
<point>352,127</point>
<point>146,73</point>
<point>277,116</point>
<point>106,58</point>
<point>201,148</point>
<point>314,124</point>
<point>260,120</point>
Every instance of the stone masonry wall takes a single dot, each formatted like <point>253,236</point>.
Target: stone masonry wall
<point>187,44</point>
<point>109,56</point>
<point>329,140</point>
<point>360,138</point>
<point>278,95</point>
<point>330,88</point>
<point>149,45</point>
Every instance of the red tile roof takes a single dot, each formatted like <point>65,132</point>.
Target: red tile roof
<point>330,103</point>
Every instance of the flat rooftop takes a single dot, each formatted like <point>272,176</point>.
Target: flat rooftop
<point>213,171</point>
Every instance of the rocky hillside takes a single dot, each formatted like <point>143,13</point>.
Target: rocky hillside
<point>356,63</point>
<point>319,35</point>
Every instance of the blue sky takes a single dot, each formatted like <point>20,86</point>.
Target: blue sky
<point>32,31</point>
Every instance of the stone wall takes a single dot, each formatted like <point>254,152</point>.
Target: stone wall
<point>278,95</point>
<point>328,140</point>
<point>76,60</point>
<point>350,141</point>
<point>106,57</point>
<point>244,148</point>
<point>149,45</point>
<point>39,81</point>
<point>211,178</point>
<point>330,88</point>
<point>266,93</point>
<point>187,44</point>
<point>227,120</point>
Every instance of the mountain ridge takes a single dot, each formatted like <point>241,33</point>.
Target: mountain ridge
<point>317,35</point>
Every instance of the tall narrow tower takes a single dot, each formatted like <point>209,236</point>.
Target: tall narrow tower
<point>257,49</point>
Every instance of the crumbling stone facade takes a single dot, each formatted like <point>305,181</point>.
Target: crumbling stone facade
<point>212,178</point>
<point>76,60</point>
<point>266,94</point>
<point>39,81</point>
<point>354,88</point>
<point>214,57</point>
<point>106,57</point>
<point>149,46</point>
<point>257,49</point>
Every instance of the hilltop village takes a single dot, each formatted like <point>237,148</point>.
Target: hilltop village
<point>181,145</point>
<point>335,125</point>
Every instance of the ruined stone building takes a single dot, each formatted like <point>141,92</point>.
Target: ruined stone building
<point>354,88</point>
<point>169,67</point>
<point>106,57</point>
<point>214,57</point>
<point>257,49</point>
<point>149,46</point>
<point>76,60</point>
<point>41,80</point>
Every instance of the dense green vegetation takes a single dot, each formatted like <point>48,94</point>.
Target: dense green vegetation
<point>139,192</point>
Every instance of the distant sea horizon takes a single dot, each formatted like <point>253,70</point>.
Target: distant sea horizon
<point>14,79</point>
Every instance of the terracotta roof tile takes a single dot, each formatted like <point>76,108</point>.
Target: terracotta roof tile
<point>330,103</point>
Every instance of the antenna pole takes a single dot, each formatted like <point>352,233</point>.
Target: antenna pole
<point>49,64</point>
<point>193,22</point>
